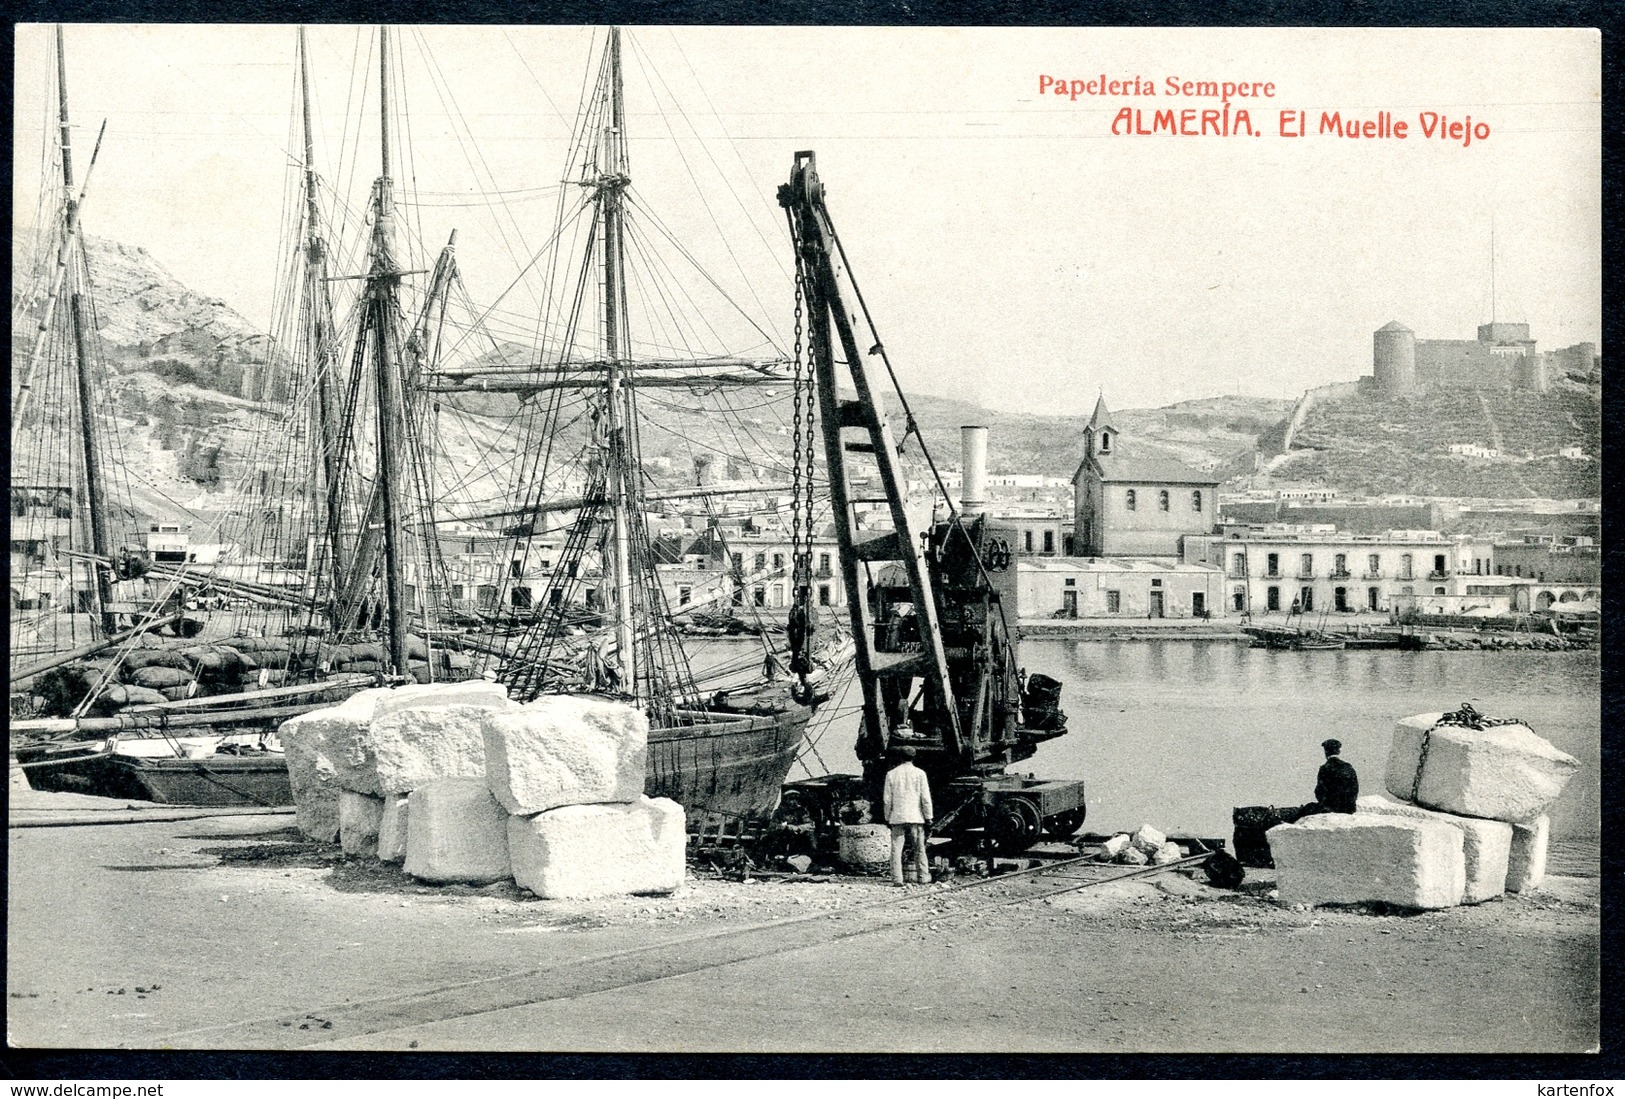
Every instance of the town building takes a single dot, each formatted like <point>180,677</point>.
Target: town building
<point>1575,561</point>
<point>1128,502</point>
<point>1270,569</point>
<point>1042,532</point>
<point>1117,587</point>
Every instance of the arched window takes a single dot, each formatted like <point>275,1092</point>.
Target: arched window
<point>1196,500</point>
<point>1105,442</point>
<point>1130,499</point>
<point>1162,499</point>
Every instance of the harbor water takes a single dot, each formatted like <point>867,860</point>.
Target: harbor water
<point>1177,733</point>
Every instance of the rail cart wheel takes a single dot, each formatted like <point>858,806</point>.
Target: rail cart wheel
<point>1062,826</point>
<point>1015,825</point>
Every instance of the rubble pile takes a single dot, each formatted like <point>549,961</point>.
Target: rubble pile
<point>460,784</point>
<point>1465,820</point>
<point>1145,847</point>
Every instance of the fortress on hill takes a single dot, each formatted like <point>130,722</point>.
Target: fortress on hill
<point>1503,356</point>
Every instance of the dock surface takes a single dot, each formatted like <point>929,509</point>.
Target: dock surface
<point>236,932</point>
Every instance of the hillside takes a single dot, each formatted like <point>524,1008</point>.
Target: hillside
<point>200,401</point>
<point>1402,444</point>
<point>1203,433</point>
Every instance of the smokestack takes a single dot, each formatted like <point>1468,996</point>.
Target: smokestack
<point>973,461</point>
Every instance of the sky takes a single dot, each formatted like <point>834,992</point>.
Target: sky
<point>1012,249</point>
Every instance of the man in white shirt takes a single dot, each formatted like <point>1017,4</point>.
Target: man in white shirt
<point>908,811</point>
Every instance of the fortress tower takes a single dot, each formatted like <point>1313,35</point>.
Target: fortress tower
<point>1529,372</point>
<point>1393,357</point>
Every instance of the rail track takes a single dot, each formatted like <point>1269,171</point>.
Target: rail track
<point>640,965</point>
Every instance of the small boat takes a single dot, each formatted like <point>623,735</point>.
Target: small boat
<point>211,770</point>
<point>1296,640</point>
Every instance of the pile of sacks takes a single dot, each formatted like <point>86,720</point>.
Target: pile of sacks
<point>371,658</point>
<point>1145,847</point>
<point>461,784</point>
<point>157,670</point>
<point>154,671</point>
<point>1477,827</point>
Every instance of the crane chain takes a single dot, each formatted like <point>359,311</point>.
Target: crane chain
<point>1467,717</point>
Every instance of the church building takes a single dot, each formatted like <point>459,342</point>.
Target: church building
<point>1131,502</point>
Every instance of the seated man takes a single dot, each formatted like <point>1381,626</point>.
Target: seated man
<point>1336,786</point>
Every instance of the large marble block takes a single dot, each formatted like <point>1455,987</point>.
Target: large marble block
<point>437,731</point>
<point>456,832</point>
<point>565,750</point>
<point>1526,865</point>
<point>1505,772</point>
<point>1485,844</point>
<point>392,828</point>
<point>312,779</point>
<point>600,850</point>
<point>1354,858</point>
<point>359,816</point>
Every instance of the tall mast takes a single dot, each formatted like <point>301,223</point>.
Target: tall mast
<point>382,283</point>
<point>70,226</point>
<point>96,502</point>
<point>612,182</point>
<point>62,115</point>
<point>319,334</point>
<point>100,542</point>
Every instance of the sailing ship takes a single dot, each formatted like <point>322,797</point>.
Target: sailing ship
<point>605,625</point>
<point>363,513</point>
<point>313,503</point>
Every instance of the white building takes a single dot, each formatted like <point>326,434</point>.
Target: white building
<point>1269,569</point>
<point>1117,587</point>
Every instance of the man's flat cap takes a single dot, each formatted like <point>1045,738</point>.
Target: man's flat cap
<point>1332,746</point>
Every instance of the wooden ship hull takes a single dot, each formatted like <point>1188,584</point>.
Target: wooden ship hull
<point>728,763</point>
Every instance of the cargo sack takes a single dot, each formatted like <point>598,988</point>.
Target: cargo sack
<point>1251,822</point>
<point>159,678</point>
<point>136,659</point>
<point>1225,871</point>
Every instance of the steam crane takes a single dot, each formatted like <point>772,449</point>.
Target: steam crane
<point>934,618</point>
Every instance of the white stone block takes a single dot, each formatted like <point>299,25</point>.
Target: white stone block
<point>565,750</point>
<point>1353,858</point>
<point>437,731</point>
<point>1167,853</point>
<point>456,832</point>
<point>1148,839</point>
<point>1526,865</point>
<point>359,816</point>
<point>392,828</point>
<point>864,846</point>
<point>334,746</point>
<point>312,779</point>
<point>335,737</point>
<point>1133,856</point>
<point>581,851</point>
<point>1115,846</point>
<point>1505,772</point>
<point>1485,844</point>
